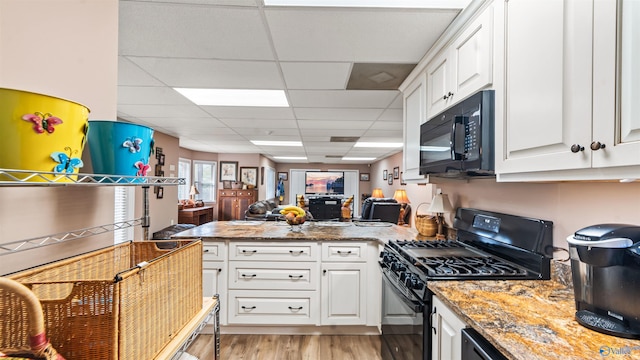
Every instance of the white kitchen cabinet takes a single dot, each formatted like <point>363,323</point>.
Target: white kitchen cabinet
<point>446,332</point>
<point>558,106</point>
<point>274,307</point>
<point>415,114</point>
<point>463,67</point>
<point>214,274</point>
<point>343,299</point>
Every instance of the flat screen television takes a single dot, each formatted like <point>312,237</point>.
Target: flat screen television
<point>324,182</point>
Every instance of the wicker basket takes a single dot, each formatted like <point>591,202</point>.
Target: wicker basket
<point>123,302</point>
<point>425,224</point>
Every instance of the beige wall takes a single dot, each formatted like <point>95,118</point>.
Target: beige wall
<point>66,49</point>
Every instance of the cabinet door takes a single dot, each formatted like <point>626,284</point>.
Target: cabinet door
<point>439,91</point>
<point>472,55</point>
<point>446,333</point>
<point>547,94</point>
<point>226,208</point>
<point>242,204</point>
<point>214,282</point>
<point>415,114</point>
<point>615,120</point>
<point>342,290</point>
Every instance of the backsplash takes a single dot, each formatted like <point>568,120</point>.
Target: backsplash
<point>561,272</point>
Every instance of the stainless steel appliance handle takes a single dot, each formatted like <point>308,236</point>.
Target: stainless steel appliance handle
<point>617,243</point>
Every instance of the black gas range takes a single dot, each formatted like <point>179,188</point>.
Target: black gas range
<point>488,245</point>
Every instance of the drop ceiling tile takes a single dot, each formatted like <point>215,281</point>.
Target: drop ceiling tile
<point>260,124</point>
<point>356,35</point>
<point>383,135</point>
<point>238,112</point>
<point>177,122</point>
<point>337,114</point>
<point>342,99</point>
<point>148,95</point>
<point>338,125</point>
<point>397,102</point>
<point>386,125</point>
<point>251,3</point>
<point>161,111</point>
<point>206,73</point>
<point>192,31</point>
<point>130,74</point>
<point>394,115</point>
<point>271,134</point>
<point>331,132</point>
<point>315,75</point>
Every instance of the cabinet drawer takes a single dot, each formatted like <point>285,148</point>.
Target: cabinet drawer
<point>228,192</point>
<point>213,251</point>
<point>344,251</point>
<point>248,193</point>
<point>276,276</point>
<point>274,251</point>
<point>272,307</point>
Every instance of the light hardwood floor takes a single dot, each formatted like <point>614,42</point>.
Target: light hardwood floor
<point>290,347</point>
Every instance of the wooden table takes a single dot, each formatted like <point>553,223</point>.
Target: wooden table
<point>196,215</point>
<point>210,311</point>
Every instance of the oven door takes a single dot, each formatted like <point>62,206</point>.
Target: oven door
<point>403,324</point>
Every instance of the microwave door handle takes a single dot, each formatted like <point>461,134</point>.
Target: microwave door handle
<point>457,138</point>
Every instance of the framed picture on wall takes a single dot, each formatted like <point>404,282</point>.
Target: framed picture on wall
<point>396,172</point>
<point>228,170</point>
<point>364,176</point>
<point>283,176</point>
<point>160,193</point>
<point>384,174</point>
<point>249,175</point>
<point>390,180</point>
<point>402,179</point>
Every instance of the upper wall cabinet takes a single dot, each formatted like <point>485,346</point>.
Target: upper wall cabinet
<point>463,67</point>
<point>557,113</point>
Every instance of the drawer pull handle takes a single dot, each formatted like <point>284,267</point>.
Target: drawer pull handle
<point>297,252</point>
<point>344,252</point>
<point>296,276</point>
<point>206,250</point>
<point>249,251</point>
<point>249,275</point>
<point>248,307</point>
<point>296,308</point>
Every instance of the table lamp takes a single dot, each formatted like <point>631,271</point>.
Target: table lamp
<point>440,205</point>
<point>401,197</point>
<point>377,193</point>
<point>192,193</point>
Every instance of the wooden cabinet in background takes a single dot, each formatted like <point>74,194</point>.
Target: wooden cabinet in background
<point>233,203</point>
<point>196,216</point>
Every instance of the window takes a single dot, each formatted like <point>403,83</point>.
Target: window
<point>184,171</point>
<point>204,178</point>
<point>123,211</point>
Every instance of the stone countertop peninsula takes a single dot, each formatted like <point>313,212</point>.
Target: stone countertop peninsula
<point>314,231</point>
<point>530,320</point>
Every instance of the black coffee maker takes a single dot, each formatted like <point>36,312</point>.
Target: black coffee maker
<point>605,265</point>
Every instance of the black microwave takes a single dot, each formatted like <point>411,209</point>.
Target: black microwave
<point>460,140</point>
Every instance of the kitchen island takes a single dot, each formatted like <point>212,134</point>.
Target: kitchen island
<point>528,320</point>
<point>310,230</point>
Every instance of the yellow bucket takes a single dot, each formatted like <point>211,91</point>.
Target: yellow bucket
<point>42,134</point>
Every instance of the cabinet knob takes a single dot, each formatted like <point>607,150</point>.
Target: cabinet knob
<point>576,148</point>
<point>448,95</point>
<point>596,145</point>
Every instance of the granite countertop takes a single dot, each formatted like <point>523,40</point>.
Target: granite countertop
<point>531,319</point>
<point>314,231</point>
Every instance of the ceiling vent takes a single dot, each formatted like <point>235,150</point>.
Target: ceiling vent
<point>333,156</point>
<point>344,139</point>
<point>366,76</point>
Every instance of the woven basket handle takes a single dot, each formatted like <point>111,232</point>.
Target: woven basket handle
<point>418,208</point>
<point>40,346</point>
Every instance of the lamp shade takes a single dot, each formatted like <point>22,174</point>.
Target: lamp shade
<point>377,193</point>
<point>401,196</point>
<point>440,204</point>
<point>194,190</point>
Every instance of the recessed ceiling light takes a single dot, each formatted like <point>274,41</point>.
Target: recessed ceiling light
<point>377,144</point>
<point>350,158</point>
<point>412,4</point>
<point>276,143</point>
<point>290,157</point>
<point>235,97</point>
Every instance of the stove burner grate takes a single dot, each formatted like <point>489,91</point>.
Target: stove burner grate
<point>469,266</point>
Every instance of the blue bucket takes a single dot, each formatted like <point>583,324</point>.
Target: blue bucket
<point>119,148</point>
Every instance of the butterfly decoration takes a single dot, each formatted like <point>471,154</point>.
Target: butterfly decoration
<point>142,168</point>
<point>133,143</point>
<point>42,122</point>
<point>67,163</point>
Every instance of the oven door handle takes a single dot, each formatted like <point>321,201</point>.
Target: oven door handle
<point>414,304</point>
